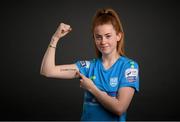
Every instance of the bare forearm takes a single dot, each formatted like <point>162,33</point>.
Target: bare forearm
<point>48,61</point>
<point>110,103</point>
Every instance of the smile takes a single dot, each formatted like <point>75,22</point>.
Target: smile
<point>104,47</point>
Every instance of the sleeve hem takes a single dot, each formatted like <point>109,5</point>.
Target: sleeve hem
<point>135,87</point>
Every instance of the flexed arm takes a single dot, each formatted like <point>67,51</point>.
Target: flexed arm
<point>48,67</point>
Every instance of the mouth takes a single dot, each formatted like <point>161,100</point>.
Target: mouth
<point>104,47</point>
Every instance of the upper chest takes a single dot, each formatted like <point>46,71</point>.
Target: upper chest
<point>106,79</point>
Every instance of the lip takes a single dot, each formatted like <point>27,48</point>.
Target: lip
<point>104,47</point>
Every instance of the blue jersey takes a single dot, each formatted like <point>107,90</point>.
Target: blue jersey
<point>123,73</point>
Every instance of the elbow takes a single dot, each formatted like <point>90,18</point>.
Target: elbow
<point>45,73</point>
<point>120,111</point>
<point>48,75</point>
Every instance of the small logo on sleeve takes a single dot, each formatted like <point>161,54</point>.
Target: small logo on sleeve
<point>131,74</point>
<point>85,64</point>
<point>132,64</point>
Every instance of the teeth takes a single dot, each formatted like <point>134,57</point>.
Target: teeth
<point>103,48</point>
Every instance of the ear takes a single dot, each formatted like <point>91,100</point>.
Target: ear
<point>119,35</point>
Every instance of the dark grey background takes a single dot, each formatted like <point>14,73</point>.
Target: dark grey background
<point>151,38</point>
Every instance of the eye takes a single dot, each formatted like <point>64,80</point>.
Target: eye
<point>98,37</point>
<point>108,36</point>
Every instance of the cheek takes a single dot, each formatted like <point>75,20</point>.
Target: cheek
<point>114,41</point>
<point>96,44</point>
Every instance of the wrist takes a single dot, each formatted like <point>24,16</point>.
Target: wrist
<point>54,39</point>
<point>93,89</point>
<point>52,46</point>
<point>53,42</point>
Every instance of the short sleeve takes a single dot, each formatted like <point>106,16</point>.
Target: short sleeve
<point>130,76</point>
<point>83,67</point>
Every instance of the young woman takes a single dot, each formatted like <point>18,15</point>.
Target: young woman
<point>109,80</point>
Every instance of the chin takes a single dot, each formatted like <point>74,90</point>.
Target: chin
<point>105,52</point>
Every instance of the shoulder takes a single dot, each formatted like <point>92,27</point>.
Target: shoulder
<point>87,63</point>
<point>129,64</point>
<point>128,61</point>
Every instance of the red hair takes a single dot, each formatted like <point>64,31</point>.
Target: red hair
<point>109,16</point>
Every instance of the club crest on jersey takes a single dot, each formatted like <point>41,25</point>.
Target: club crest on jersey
<point>113,81</point>
<point>131,74</point>
<point>85,64</point>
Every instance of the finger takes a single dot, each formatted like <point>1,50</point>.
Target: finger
<point>77,74</point>
<point>61,24</point>
<point>81,75</point>
<point>65,31</point>
<point>68,28</point>
<point>81,83</point>
<point>81,80</point>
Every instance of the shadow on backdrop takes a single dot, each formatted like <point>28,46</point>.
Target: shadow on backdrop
<point>27,26</point>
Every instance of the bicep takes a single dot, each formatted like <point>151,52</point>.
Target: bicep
<point>67,71</point>
<point>125,95</point>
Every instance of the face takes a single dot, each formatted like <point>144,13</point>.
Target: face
<point>106,39</point>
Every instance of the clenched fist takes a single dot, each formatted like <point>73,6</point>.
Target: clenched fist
<point>61,31</point>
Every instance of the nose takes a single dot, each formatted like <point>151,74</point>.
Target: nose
<point>103,41</point>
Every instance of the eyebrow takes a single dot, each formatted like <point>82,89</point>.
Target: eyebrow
<point>104,34</point>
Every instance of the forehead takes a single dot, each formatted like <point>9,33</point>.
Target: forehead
<point>103,29</point>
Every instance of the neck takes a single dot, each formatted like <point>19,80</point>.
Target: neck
<point>110,59</point>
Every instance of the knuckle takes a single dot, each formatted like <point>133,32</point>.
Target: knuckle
<point>61,24</point>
